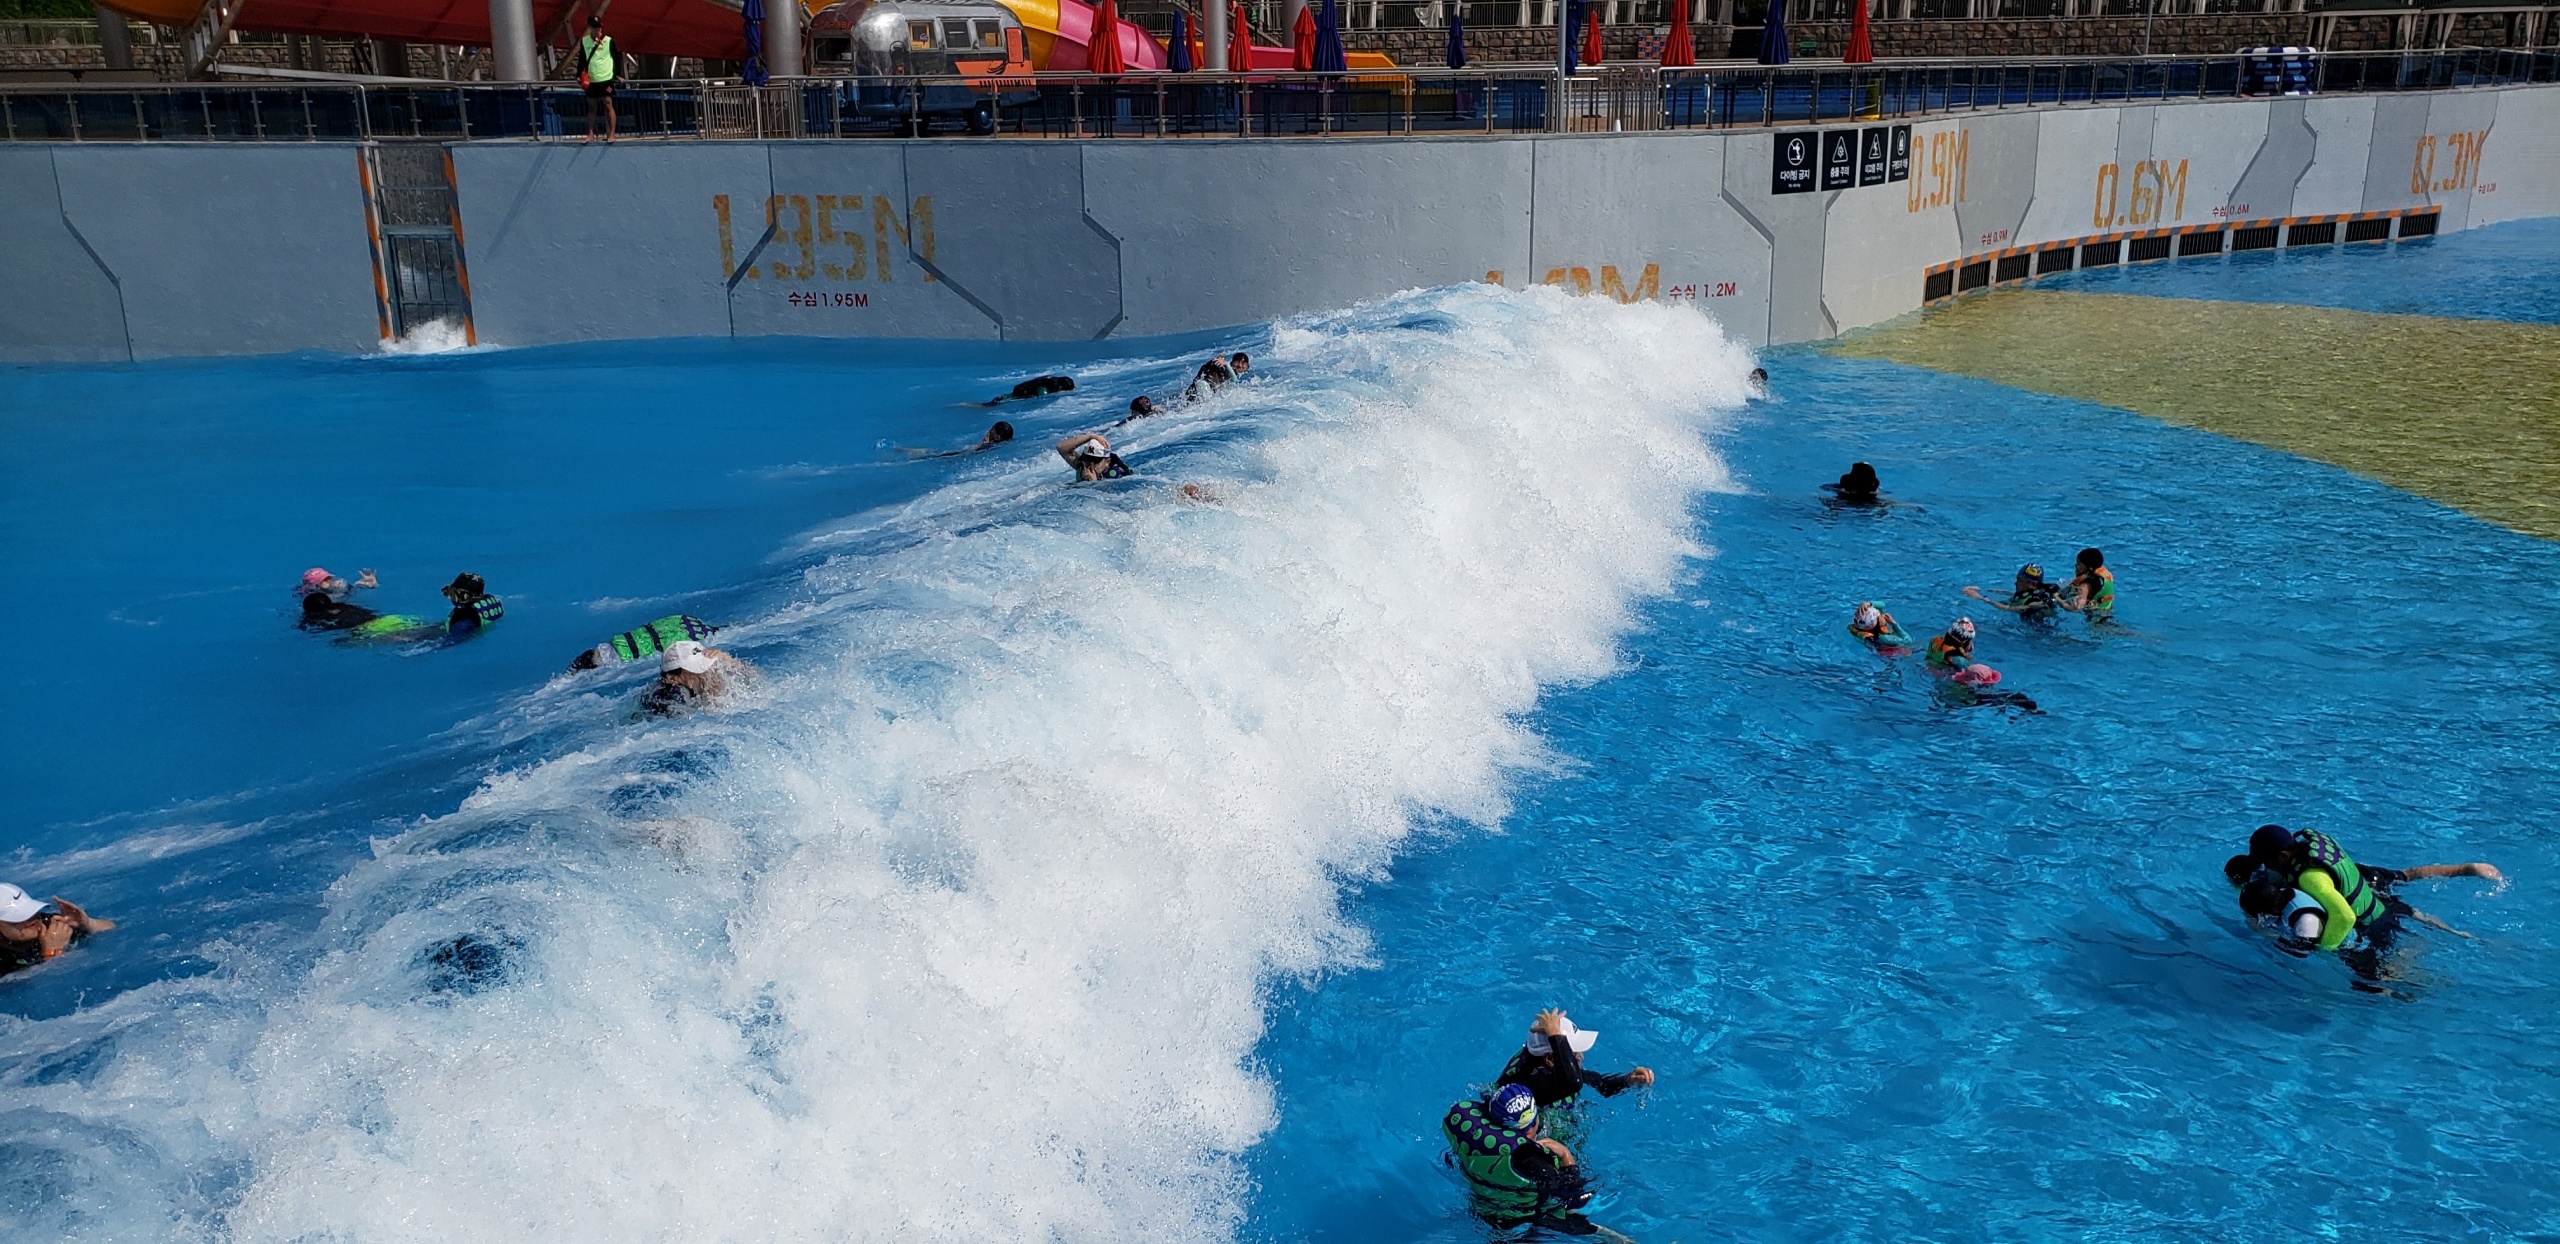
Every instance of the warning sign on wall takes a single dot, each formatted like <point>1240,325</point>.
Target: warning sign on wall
<point>1839,159</point>
<point>1791,165</point>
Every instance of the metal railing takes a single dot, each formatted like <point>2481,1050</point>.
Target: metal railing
<point>1511,99</point>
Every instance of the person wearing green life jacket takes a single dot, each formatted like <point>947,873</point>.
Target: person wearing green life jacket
<point>1514,1176</point>
<point>2092,589</point>
<point>644,643</point>
<point>596,72</point>
<point>473,606</point>
<point>2354,898</point>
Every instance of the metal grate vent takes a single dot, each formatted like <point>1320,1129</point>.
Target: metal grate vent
<point>2141,249</point>
<point>2320,234</point>
<point>2261,238</point>
<point>2056,260</point>
<point>2014,267</point>
<point>2200,242</point>
<point>1939,285</point>
<point>2375,230</point>
<point>2418,226</point>
<point>1976,275</point>
<point>2098,254</point>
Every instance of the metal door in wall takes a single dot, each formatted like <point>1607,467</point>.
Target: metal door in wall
<point>424,280</point>
<point>425,277</point>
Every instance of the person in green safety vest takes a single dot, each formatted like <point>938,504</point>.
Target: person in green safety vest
<point>1515,1176</point>
<point>596,72</point>
<point>2353,899</point>
<point>642,643</point>
<point>473,606</point>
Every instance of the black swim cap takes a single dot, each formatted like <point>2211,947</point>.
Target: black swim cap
<point>1141,404</point>
<point>2264,896</point>
<point>1002,431</point>
<point>2238,869</point>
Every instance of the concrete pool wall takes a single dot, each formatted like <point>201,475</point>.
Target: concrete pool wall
<point>136,251</point>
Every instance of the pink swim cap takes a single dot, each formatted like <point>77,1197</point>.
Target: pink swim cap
<point>1978,676</point>
<point>314,577</point>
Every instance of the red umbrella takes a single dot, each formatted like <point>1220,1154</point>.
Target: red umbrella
<point>1591,53</point>
<point>1677,51</point>
<point>1306,42</point>
<point>1102,55</point>
<point>1860,52</point>
<point>1239,41</point>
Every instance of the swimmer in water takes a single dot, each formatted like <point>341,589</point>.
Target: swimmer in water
<point>1516,1175</point>
<point>997,434</point>
<point>1971,687</point>
<point>1037,386</point>
<point>32,932</point>
<point>689,676</point>
<point>1140,407</point>
<point>1213,377</point>
<point>318,579</point>
<point>2030,597</point>
<point>1238,364</point>
<point>641,643</point>
<point>1091,456</point>
<point>323,612</point>
<point>1953,650</point>
<point>1859,488</point>
<point>1872,624</point>
<point>2092,589</point>
<point>473,606</point>
<point>2353,899</point>
<point>1760,382</point>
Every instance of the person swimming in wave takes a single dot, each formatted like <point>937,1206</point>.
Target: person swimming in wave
<point>1516,1176</point>
<point>1759,382</point>
<point>2092,590</point>
<point>1858,489</point>
<point>1213,376</point>
<point>1549,1063</point>
<point>1971,687</point>
<point>473,610</point>
<point>1238,364</point>
<point>1037,386</point>
<point>33,932</point>
<point>1140,407</point>
<point>689,676</point>
<point>999,433</point>
<point>1873,625</point>
<point>1091,456</point>
<point>644,642</point>
<point>2030,597</point>
<point>2353,898</point>
<point>473,607</point>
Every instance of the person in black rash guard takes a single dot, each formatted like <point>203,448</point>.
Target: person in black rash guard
<point>321,612</point>
<point>1037,386</point>
<point>1549,1064</point>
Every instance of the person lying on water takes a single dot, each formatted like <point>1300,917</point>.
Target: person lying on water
<point>1037,386</point>
<point>1549,1063</point>
<point>1859,487</point>
<point>32,932</point>
<point>1140,407</point>
<point>1213,376</point>
<point>1090,454</point>
<point>689,676</point>
<point>323,612</point>
<point>1872,624</point>
<point>1971,687</point>
<point>1515,1176</point>
<point>642,643</point>
<point>2030,597</point>
<point>2351,896</point>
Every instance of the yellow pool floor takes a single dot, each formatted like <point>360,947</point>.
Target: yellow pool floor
<point>2463,411</point>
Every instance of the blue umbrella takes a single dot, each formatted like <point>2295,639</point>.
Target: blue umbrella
<point>1773,36</point>
<point>1178,57</point>
<point>1458,34</point>
<point>754,71</point>
<point>1572,27</point>
<point>1329,57</point>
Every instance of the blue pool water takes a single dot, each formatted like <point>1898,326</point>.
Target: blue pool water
<point>2500,272</point>
<point>1098,863</point>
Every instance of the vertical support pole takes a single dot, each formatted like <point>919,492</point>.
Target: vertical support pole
<point>1557,121</point>
<point>115,40</point>
<point>511,49</point>
<point>782,39</point>
<point>1213,36</point>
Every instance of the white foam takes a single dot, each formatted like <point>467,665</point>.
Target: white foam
<point>960,928</point>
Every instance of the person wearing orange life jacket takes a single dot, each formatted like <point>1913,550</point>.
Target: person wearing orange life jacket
<point>1953,650</point>
<point>1872,624</point>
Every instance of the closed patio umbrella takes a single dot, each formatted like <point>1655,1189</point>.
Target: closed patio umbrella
<point>1678,52</point>
<point>1860,51</point>
<point>1572,18</point>
<point>1303,42</point>
<point>1457,55</point>
<point>1239,41</point>
<point>1773,36</point>
<point>1103,54</point>
<point>753,71</point>
<point>1329,57</point>
<point>1177,53</point>
<point>1592,53</point>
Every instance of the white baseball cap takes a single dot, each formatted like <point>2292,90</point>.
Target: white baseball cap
<point>1579,1039</point>
<point>686,655</point>
<point>1093,448</point>
<point>15,905</point>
